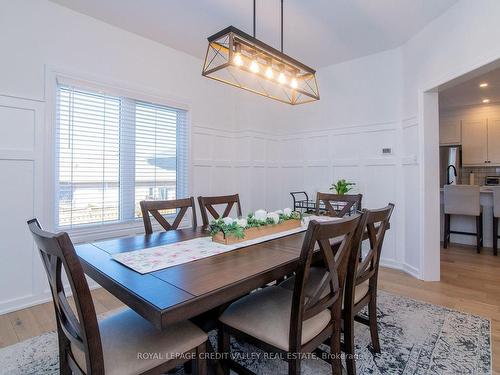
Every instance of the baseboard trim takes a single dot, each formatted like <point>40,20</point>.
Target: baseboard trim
<point>405,267</point>
<point>30,301</point>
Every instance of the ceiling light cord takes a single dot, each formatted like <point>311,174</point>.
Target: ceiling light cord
<point>281,26</point>
<point>254,18</point>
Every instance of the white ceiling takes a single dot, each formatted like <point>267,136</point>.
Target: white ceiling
<point>317,32</point>
<point>468,92</point>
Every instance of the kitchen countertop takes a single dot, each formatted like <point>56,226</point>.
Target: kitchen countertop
<point>482,189</point>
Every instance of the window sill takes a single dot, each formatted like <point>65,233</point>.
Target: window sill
<point>92,233</point>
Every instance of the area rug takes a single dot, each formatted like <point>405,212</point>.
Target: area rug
<point>415,337</point>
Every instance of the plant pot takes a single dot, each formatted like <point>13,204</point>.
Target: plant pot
<point>256,232</point>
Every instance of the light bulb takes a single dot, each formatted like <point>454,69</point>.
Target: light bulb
<point>254,66</point>
<point>237,59</point>
<point>282,78</point>
<point>294,83</point>
<point>269,72</point>
<point>486,100</point>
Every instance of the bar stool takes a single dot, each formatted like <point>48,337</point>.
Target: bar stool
<point>463,200</point>
<point>496,216</point>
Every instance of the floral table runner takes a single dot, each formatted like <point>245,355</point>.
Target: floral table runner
<point>160,257</point>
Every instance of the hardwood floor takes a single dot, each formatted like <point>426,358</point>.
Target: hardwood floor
<point>470,282</point>
<point>24,324</point>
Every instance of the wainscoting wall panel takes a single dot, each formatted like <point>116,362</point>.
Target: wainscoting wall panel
<point>262,167</point>
<point>312,161</point>
<point>21,134</point>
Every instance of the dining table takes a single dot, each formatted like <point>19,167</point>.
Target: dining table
<point>190,289</point>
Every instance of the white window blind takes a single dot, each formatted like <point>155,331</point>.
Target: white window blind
<point>112,152</point>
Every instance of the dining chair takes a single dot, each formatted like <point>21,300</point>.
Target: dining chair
<point>207,206</point>
<point>361,279</point>
<point>288,322</point>
<point>338,205</point>
<point>361,282</point>
<point>114,344</point>
<point>154,208</point>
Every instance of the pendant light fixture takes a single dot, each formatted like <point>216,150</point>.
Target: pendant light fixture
<point>242,60</point>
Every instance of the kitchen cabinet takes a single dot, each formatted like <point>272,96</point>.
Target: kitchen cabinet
<point>475,142</point>
<point>494,141</point>
<point>450,132</point>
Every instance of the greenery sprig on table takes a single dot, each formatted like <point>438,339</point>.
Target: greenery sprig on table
<point>236,227</point>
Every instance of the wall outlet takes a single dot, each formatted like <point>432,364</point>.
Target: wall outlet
<point>387,151</point>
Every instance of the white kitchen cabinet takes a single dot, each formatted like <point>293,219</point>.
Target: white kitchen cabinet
<point>494,141</point>
<point>475,142</point>
<point>450,132</point>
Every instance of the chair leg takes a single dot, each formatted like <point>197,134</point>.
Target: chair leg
<point>200,363</point>
<point>349,344</point>
<point>478,233</point>
<point>335,347</point>
<point>482,231</point>
<point>224,348</point>
<point>446,230</point>
<point>188,367</point>
<point>63,342</point>
<point>495,236</point>
<point>372,315</point>
<point>294,366</point>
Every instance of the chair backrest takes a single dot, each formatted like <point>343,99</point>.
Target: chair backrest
<point>80,330</point>
<point>154,208</point>
<point>462,200</point>
<point>338,205</point>
<point>365,268</point>
<point>207,206</point>
<point>321,235</point>
<point>496,201</point>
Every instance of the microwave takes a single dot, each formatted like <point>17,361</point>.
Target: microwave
<point>492,180</point>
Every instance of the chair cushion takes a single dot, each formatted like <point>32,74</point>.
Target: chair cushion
<point>265,315</point>
<point>125,335</point>
<point>315,277</point>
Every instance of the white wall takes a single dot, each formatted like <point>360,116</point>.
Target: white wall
<point>342,136</point>
<point>378,101</point>
<point>39,37</point>
<point>241,142</point>
<point>459,41</point>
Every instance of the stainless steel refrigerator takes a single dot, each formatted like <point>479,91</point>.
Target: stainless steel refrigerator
<point>450,160</point>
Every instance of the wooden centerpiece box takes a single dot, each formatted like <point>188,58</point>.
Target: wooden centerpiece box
<point>256,232</point>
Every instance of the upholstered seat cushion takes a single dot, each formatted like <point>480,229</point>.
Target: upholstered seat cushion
<point>315,276</point>
<point>126,336</point>
<point>265,315</point>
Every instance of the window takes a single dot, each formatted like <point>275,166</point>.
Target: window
<point>111,153</point>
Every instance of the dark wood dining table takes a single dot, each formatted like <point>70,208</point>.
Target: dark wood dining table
<point>187,290</point>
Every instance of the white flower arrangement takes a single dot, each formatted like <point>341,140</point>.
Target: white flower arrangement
<point>236,227</point>
<point>260,215</point>
<point>228,220</point>
<point>274,217</point>
<point>242,222</point>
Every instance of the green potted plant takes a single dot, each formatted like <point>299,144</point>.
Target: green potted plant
<point>342,186</point>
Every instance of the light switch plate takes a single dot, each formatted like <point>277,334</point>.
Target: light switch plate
<point>387,151</point>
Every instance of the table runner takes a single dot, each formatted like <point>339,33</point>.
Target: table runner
<point>164,256</point>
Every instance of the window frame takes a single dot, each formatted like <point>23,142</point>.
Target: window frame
<point>112,229</point>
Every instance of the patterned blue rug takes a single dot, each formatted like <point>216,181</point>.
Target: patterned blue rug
<point>415,337</point>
